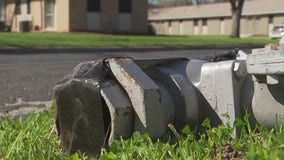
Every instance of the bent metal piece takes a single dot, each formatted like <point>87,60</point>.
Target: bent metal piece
<point>144,95</point>
<point>80,116</point>
<point>111,98</point>
<point>120,109</point>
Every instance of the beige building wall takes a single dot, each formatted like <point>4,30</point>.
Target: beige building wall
<point>260,25</point>
<point>243,29</point>
<point>109,14</point>
<point>165,25</point>
<point>71,15</point>
<point>78,15</point>
<point>159,27</point>
<point>228,26</point>
<point>213,26</point>
<point>187,27</point>
<point>250,25</point>
<point>178,27</point>
<point>10,15</point>
<point>264,25</point>
<point>139,16</point>
<point>62,15</point>
<point>175,27</point>
<point>37,12</point>
<point>279,19</point>
<point>254,25</point>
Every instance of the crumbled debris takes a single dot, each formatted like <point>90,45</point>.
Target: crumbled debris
<point>272,46</point>
<point>228,153</point>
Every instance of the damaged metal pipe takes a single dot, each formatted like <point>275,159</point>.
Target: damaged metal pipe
<point>112,98</point>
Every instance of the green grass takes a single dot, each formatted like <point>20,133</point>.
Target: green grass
<point>28,40</point>
<point>35,138</point>
<point>31,138</point>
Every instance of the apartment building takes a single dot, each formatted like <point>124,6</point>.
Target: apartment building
<point>258,18</point>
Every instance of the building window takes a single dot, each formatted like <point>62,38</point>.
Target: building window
<point>18,7</point>
<point>125,6</point>
<point>222,26</point>
<point>94,6</point>
<point>204,22</point>
<point>170,23</point>
<point>195,22</point>
<point>28,6</point>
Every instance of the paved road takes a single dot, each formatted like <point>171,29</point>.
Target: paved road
<point>32,76</point>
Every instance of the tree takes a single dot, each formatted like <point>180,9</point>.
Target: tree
<point>236,9</point>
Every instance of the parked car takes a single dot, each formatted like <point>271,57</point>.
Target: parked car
<point>277,31</point>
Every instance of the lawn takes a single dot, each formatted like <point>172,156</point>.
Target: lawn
<point>30,40</point>
<point>35,138</point>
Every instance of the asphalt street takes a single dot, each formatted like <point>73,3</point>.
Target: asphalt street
<point>32,77</point>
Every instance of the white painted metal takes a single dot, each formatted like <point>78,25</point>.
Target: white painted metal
<point>144,94</point>
<point>265,62</point>
<point>268,104</point>
<point>120,109</point>
<point>219,86</point>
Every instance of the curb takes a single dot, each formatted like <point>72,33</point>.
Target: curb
<point>117,49</point>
